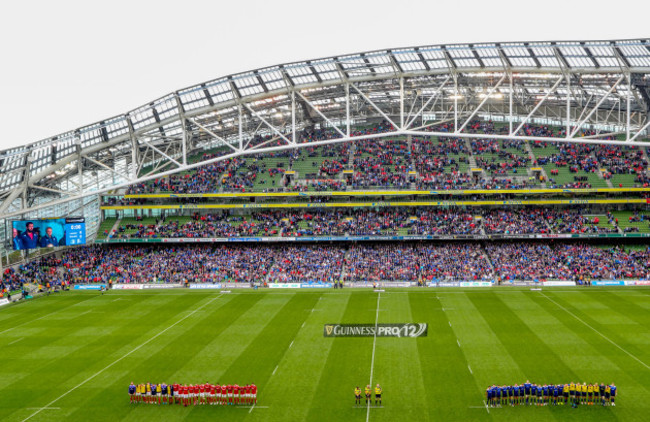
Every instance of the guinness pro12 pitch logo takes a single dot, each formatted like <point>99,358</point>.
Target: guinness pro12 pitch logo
<point>379,330</point>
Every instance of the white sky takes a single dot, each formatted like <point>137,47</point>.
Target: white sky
<point>66,64</point>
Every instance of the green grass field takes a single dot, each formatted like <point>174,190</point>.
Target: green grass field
<point>71,356</point>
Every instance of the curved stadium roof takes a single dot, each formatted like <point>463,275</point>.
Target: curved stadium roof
<point>601,84</point>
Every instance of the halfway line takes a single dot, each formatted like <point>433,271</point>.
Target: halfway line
<point>372,362</point>
<point>119,359</point>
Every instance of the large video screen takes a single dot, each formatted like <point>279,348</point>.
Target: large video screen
<point>33,234</point>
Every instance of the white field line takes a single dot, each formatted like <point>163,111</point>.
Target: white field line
<point>121,358</point>
<point>470,370</point>
<point>252,407</point>
<point>486,407</point>
<point>276,368</point>
<point>291,344</point>
<point>15,341</point>
<point>457,341</point>
<point>596,331</point>
<point>372,361</point>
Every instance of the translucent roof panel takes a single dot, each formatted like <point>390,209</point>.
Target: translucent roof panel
<point>142,116</point>
<point>272,78</point>
<point>381,62</point>
<point>635,53</point>
<point>166,107</point>
<point>409,60</point>
<point>603,54</point>
<point>355,65</point>
<point>301,74</point>
<point>220,91</point>
<point>489,55</point>
<point>462,56</point>
<point>434,57</point>
<point>326,69</point>
<point>247,84</point>
<point>576,55</point>
<point>518,55</point>
<point>194,98</point>
<point>545,55</point>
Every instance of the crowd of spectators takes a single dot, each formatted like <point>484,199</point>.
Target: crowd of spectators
<point>419,221</point>
<point>416,262</point>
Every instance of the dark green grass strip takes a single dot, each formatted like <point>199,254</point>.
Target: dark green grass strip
<point>449,386</point>
<point>348,366</point>
<point>258,361</point>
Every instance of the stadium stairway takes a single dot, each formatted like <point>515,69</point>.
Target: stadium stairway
<point>600,174</point>
<point>529,149</point>
<point>470,155</point>
<point>115,227</point>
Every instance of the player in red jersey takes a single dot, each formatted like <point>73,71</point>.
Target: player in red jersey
<point>242,395</point>
<point>212,394</point>
<point>202,394</point>
<point>177,393</point>
<point>229,388</point>
<point>254,393</point>
<point>247,394</point>
<point>235,393</point>
<point>221,394</point>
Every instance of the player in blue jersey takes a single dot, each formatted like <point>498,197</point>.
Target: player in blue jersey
<point>488,396</point>
<point>510,394</point>
<point>164,391</point>
<point>612,389</point>
<point>132,393</point>
<point>516,391</point>
<point>527,386</point>
<point>556,393</point>
<point>540,391</point>
<point>153,388</point>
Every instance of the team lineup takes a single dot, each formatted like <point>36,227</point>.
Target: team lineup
<point>368,392</point>
<point>543,395</point>
<point>193,394</point>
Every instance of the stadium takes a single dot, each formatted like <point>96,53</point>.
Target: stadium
<point>436,220</point>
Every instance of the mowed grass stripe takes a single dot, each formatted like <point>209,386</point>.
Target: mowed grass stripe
<point>75,368</point>
<point>397,367</point>
<point>449,387</point>
<point>632,379</point>
<point>299,373</point>
<point>46,375</point>
<point>258,361</point>
<point>347,366</point>
<point>588,315</point>
<point>15,316</point>
<point>490,360</point>
<point>159,362</point>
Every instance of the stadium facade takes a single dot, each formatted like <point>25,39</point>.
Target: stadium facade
<point>603,86</point>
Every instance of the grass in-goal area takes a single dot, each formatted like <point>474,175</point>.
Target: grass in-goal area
<point>70,356</point>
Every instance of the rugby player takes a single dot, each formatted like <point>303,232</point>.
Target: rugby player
<point>132,394</point>
<point>357,395</point>
<point>254,392</point>
<point>368,393</point>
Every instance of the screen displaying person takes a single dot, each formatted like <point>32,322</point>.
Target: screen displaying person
<point>18,244</point>
<point>29,237</point>
<point>49,240</point>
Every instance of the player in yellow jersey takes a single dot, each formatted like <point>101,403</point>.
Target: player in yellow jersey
<point>159,392</point>
<point>368,394</point>
<point>357,395</point>
<point>565,394</point>
<point>608,392</point>
<point>590,394</point>
<point>572,392</point>
<point>378,394</point>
